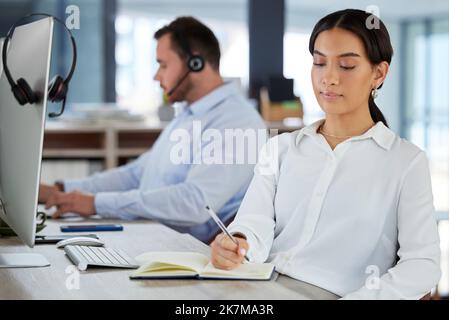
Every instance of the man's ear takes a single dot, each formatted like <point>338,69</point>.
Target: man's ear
<point>381,71</point>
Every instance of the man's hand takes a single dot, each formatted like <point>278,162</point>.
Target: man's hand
<point>45,191</point>
<point>76,202</point>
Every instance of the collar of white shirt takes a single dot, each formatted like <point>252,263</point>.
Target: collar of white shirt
<point>382,135</point>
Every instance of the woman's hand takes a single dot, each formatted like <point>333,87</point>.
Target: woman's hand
<point>226,254</point>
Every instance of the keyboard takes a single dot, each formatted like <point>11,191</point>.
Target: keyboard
<point>85,256</point>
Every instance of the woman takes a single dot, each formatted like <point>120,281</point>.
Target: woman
<point>343,204</point>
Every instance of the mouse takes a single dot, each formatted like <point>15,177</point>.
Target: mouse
<point>80,241</point>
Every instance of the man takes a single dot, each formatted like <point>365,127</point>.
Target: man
<point>157,185</point>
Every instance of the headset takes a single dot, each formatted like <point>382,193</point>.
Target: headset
<point>58,87</point>
<point>195,62</point>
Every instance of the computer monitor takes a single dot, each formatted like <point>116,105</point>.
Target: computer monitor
<point>21,137</point>
<point>1,64</point>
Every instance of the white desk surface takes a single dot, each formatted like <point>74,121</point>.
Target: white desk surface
<point>136,238</point>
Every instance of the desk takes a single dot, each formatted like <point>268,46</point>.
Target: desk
<point>137,237</point>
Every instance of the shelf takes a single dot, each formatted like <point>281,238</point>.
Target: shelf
<point>113,141</point>
<point>131,152</point>
<point>73,153</point>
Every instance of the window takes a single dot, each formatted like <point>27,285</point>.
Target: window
<point>297,66</point>
<point>136,63</point>
<point>425,119</point>
<point>136,55</point>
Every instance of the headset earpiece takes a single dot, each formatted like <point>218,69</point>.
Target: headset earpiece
<point>23,92</point>
<point>57,89</point>
<point>196,63</point>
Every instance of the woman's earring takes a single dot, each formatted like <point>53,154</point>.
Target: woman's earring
<point>374,93</point>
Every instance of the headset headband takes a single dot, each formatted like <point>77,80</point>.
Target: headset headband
<point>10,34</point>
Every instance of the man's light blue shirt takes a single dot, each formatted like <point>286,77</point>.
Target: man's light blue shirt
<point>156,187</point>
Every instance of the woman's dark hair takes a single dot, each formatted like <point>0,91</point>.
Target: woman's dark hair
<point>374,36</point>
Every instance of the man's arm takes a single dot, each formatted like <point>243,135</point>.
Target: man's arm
<point>181,204</point>
<point>63,192</point>
<point>118,179</point>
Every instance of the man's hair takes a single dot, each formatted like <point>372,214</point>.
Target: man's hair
<point>197,36</point>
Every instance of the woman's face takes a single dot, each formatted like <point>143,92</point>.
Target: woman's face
<point>342,75</point>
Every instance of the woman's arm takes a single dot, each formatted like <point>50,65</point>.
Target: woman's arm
<point>256,216</point>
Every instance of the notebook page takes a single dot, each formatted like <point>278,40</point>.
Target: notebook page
<point>246,270</point>
<point>191,260</point>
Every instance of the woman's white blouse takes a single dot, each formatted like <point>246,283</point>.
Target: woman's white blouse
<point>357,220</point>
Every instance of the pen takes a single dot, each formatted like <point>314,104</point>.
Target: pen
<point>222,226</point>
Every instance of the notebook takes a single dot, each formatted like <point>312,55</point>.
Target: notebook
<point>167,265</point>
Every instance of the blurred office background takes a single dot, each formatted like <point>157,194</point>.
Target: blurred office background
<point>117,59</point>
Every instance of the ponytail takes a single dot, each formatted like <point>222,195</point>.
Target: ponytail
<point>375,112</point>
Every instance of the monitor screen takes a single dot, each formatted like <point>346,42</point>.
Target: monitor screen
<point>22,127</point>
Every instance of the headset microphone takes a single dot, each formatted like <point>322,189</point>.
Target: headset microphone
<point>178,83</point>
